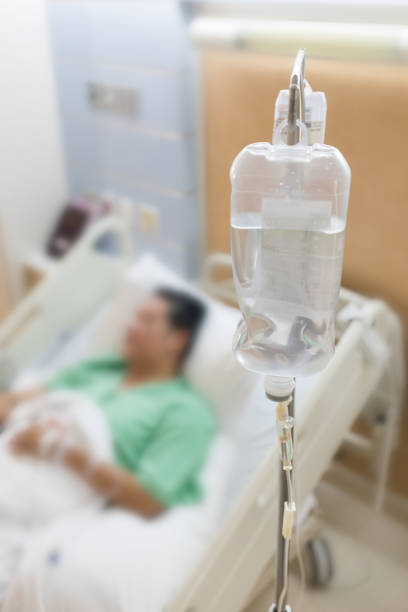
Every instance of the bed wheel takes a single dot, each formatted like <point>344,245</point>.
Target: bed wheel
<point>318,562</point>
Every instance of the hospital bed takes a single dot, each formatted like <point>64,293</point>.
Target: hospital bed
<point>80,309</point>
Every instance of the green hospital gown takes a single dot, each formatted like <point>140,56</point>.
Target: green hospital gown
<point>161,431</point>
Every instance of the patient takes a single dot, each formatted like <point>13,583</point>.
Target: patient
<point>160,426</point>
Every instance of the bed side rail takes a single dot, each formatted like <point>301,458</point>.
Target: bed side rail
<point>84,278</point>
<point>242,549</point>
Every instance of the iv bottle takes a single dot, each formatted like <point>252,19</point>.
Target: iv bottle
<point>288,220</point>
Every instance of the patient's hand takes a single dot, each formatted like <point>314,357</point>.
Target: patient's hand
<point>8,401</point>
<point>6,406</point>
<point>28,441</point>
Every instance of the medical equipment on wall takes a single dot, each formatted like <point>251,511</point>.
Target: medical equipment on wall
<point>288,217</point>
<point>73,221</point>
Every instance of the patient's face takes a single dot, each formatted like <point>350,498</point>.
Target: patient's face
<point>149,338</point>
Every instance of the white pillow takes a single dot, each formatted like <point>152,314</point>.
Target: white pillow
<point>211,367</point>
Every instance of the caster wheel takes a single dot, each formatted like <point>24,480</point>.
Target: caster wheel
<point>318,562</point>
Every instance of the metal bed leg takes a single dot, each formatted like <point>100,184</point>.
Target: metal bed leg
<point>386,452</point>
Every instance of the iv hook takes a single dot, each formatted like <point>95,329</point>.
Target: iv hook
<point>296,110</point>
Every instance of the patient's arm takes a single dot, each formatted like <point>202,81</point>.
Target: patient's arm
<point>8,401</point>
<point>120,486</point>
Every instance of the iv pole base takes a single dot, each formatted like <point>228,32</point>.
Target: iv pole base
<point>274,608</point>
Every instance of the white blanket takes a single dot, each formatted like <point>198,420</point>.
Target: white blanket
<point>109,560</point>
<point>33,492</point>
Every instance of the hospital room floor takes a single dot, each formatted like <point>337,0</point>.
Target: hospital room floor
<point>370,554</point>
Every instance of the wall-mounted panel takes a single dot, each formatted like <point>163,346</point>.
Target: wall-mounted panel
<point>124,83</point>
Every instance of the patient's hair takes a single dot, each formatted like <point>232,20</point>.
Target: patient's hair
<point>185,312</point>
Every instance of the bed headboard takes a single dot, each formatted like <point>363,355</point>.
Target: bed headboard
<point>367,121</point>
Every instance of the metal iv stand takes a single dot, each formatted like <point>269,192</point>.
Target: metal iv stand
<point>282,389</point>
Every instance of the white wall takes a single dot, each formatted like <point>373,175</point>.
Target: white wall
<point>32,171</point>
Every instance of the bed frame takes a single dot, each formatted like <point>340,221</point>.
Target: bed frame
<point>243,548</point>
<point>56,306</point>
<point>235,563</point>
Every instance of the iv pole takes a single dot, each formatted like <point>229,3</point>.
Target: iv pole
<point>282,390</point>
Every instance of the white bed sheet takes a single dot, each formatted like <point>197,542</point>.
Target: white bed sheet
<point>117,562</point>
<point>164,553</point>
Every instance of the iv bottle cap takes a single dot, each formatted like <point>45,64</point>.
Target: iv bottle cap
<point>279,387</point>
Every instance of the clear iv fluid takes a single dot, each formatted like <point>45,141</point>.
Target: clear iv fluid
<point>288,220</point>
<point>288,311</point>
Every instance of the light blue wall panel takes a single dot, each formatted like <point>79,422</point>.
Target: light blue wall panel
<point>149,157</point>
<point>107,149</point>
<point>150,33</point>
<point>164,101</point>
